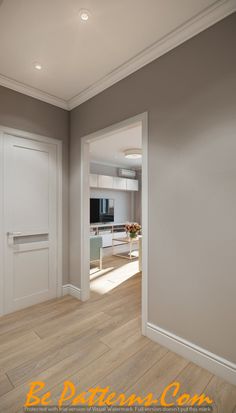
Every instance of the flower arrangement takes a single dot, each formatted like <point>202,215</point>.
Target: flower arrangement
<point>132,229</point>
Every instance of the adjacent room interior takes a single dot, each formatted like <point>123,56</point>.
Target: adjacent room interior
<point>115,203</point>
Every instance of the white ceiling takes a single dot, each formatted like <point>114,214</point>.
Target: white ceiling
<point>81,59</point>
<point>110,149</point>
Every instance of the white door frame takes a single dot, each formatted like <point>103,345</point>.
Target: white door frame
<point>4,130</point>
<point>84,206</point>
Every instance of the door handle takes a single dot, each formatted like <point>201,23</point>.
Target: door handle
<point>13,234</point>
<point>18,237</point>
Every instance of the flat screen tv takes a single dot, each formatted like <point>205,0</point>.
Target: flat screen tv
<point>101,210</point>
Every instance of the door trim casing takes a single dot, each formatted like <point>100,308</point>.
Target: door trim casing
<point>4,130</point>
<point>84,207</point>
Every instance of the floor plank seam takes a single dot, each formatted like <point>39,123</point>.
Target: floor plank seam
<point>181,371</point>
<point>22,383</point>
<point>105,344</point>
<point>68,378</point>
<point>211,378</point>
<point>185,368</point>
<point>38,335</point>
<point>13,387</point>
<point>107,373</point>
<point>146,371</point>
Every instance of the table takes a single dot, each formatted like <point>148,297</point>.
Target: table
<point>126,240</point>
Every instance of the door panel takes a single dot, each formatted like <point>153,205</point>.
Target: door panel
<point>30,220</point>
<point>24,262</point>
<point>28,174</point>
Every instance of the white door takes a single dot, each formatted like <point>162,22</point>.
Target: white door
<point>30,222</point>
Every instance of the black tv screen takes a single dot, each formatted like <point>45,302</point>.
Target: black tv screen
<point>101,210</point>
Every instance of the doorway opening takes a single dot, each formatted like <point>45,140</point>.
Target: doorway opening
<point>114,197</point>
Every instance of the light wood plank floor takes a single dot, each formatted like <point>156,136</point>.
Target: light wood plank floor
<point>94,343</point>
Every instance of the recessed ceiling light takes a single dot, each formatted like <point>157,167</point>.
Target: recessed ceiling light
<point>84,15</point>
<point>38,66</point>
<point>133,153</point>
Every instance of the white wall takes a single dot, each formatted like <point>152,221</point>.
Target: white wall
<point>138,200</point>
<point>123,202</point>
<point>101,169</point>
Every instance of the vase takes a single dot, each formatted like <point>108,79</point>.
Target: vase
<point>133,235</point>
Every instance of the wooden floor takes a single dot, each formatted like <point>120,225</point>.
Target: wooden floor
<point>115,271</point>
<point>94,343</point>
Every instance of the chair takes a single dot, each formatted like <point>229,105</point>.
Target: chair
<point>96,249</point>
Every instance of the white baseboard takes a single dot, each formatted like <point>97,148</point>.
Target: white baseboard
<point>209,361</point>
<point>69,289</point>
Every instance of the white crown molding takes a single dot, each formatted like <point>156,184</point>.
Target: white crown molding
<point>32,92</point>
<point>198,355</point>
<point>216,12</point>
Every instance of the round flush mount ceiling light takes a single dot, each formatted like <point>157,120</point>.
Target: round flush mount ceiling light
<point>133,153</point>
<point>84,15</point>
<point>38,66</point>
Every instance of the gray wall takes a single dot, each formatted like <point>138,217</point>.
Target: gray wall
<point>23,112</point>
<point>190,96</point>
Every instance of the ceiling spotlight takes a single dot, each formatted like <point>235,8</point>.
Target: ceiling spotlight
<point>84,15</point>
<point>38,66</point>
<point>133,153</point>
